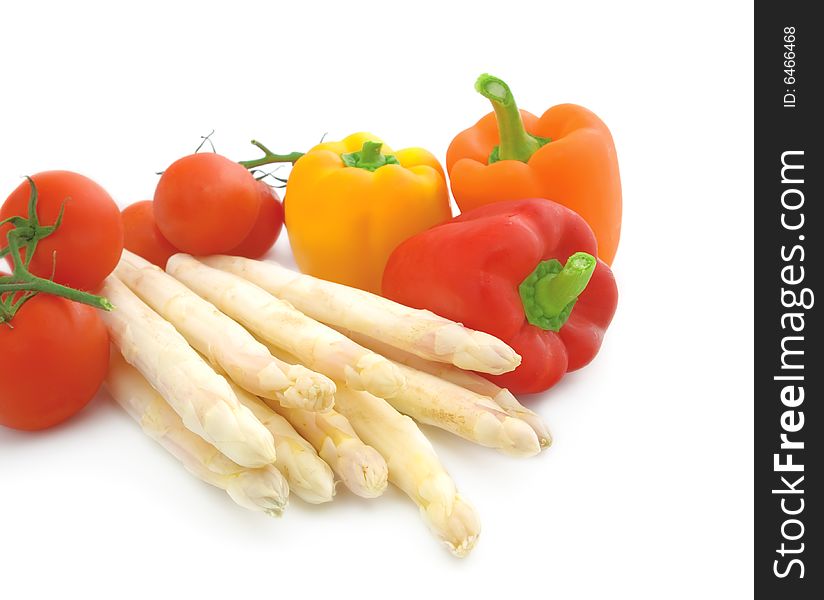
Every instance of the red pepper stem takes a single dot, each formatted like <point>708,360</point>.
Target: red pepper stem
<point>551,290</point>
<point>553,294</point>
<point>269,157</point>
<point>515,142</point>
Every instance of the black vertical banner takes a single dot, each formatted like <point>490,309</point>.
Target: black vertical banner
<point>789,228</point>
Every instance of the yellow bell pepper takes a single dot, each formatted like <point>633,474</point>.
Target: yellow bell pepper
<point>349,204</point>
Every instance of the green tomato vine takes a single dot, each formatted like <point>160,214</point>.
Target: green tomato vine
<point>22,285</point>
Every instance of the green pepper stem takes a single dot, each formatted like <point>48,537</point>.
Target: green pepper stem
<point>553,294</point>
<point>551,290</point>
<point>369,157</point>
<point>515,142</point>
<point>269,157</point>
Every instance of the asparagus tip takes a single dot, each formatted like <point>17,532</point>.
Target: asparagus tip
<point>376,375</point>
<point>275,511</point>
<point>519,439</point>
<point>264,490</point>
<point>460,529</point>
<point>478,351</point>
<point>239,435</point>
<point>515,409</point>
<point>362,469</point>
<point>309,390</point>
<point>310,478</point>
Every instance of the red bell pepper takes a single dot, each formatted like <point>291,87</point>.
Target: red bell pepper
<point>523,271</point>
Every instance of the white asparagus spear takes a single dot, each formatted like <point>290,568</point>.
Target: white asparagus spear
<point>413,467</point>
<point>435,401</point>
<point>420,332</point>
<point>478,419</point>
<point>361,468</point>
<point>502,397</point>
<point>309,477</point>
<point>316,346</point>
<point>202,398</point>
<point>224,343</point>
<point>263,489</point>
<point>507,401</point>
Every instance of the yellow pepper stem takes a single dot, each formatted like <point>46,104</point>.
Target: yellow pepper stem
<point>369,157</point>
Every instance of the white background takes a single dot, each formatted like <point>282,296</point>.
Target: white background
<point>647,492</point>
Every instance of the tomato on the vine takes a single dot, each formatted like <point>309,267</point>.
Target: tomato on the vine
<point>206,204</point>
<point>86,247</point>
<point>142,235</point>
<point>53,359</point>
<point>267,227</point>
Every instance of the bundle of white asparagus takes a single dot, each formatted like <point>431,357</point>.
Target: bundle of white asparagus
<point>203,399</point>
<point>234,376</point>
<point>321,348</point>
<point>263,489</point>
<point>225,343</point>
<point>420,332</point>
<point>484,391</point>
<point>308,475</point>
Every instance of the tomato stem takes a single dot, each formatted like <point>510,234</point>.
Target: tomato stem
<point>269,157</point>
<point>22,285</point>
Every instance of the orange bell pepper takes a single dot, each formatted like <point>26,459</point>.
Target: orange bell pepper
<point>567,155</point>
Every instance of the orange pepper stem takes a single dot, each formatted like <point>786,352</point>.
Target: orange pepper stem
<point>515,142</point>
<point>551,290</point>
<point>269,157</point>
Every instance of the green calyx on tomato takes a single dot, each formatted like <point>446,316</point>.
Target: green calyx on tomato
<point>19,287</point>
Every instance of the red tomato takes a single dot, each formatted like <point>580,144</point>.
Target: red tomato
<point>87,245</point>
<point>142,235</point>
<point>266,229</point>
<point>206,204</point>
<point>52,362</point>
